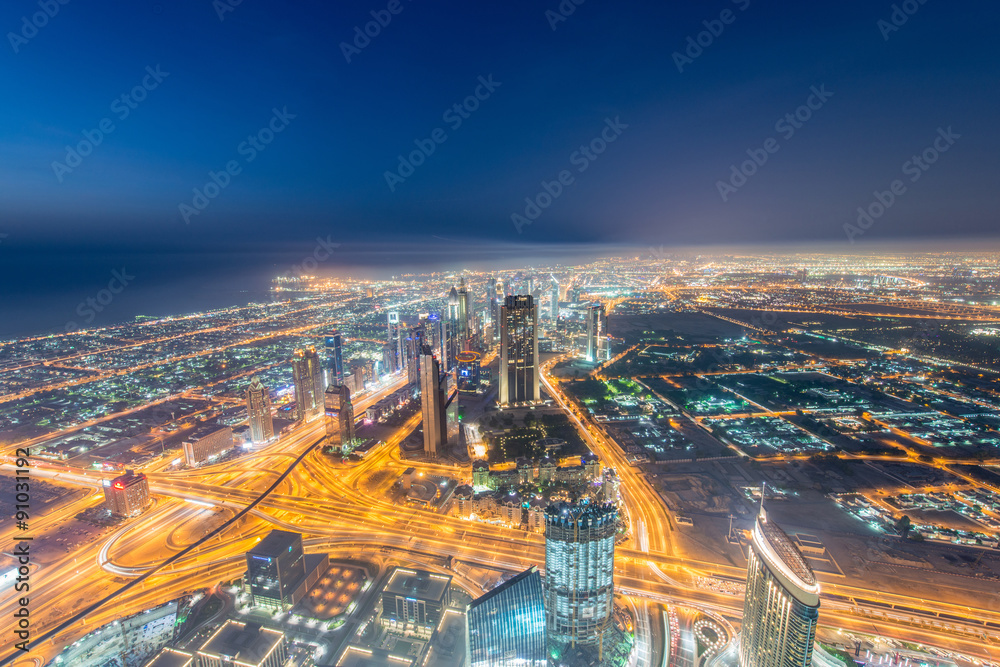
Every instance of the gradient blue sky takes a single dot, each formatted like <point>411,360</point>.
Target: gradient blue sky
<point>655,185</point>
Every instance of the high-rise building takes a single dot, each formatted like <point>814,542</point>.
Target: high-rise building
<point>781,607</point>
<point>468,371</point>
<point>307,372</point>
<point>207,442</point>
<point>259,412</point>
<point>127,495</point>
<point>596,333</point>
<point>432,404</point>
<point>579,573</point>
<point>413,602</point>
<point>518,350</point>
<point>414,346</point>
<point>334,358</point>
<point>275,569</point>
<point>506,627</point>
<point>340,417</point>
<point>395,342</point>
<point>463,315</point>
<point>554,300</point>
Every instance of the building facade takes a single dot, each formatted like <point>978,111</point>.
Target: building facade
<point>596,333</point>
<point>259,412</point>
<point>307,372</point>
<point>127,495</point>
<point>413,602</point>
<point>579,573</point>
<point>207,443</point>
<point>340,417</point>
<point>334,358</point>
<point>519,381</point>
<point>506,627</point>
<point>781,607</point>
<point>275,569</point>
<point>432,404</point>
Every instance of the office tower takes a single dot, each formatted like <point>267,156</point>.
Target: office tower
<point>596,334</point>
<point>334,359</point>
<point>388,362</point>
<point>463,315</point>
<point>531,286</point>
<point>432,404</point>
<point>468,371</point>
<point>259,412</point>
<point>309,387</point>
<point>579,573</point>
<point>507,625</point>
<point>413,602</point>
<point>518,350</point>
<point>340,417</point>
<point>394,341</point>
<point>554,301</point>
<point>127,495</point>
<point>414,346</point>
<point>275,569</point>
<point>781,606</point>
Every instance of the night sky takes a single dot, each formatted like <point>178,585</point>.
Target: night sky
<point>556,82</point>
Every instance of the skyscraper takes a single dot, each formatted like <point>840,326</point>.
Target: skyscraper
<point>554,300</point>
<point>463,315</point>
<point>334,358</point>
<point>414,346</point>
<point>579,573</point>
<point>307,372</point>
<point>432,404</point>
<point>275,568</point>
<point>506,627</point>
<point>259,412</point>
<point>127,495</point>
<point>395,342</point>
<point>596,334</point>
<point>781,606</point>
<point>340,417</point>
<point>518,350</point>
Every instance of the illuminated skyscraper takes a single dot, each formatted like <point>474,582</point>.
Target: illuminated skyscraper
<point>432,404</point>
<point>554,300</point>
<point>506,627</point>
<point>579,573</point>
<point>468,371</point>
<point>334,358</point>
<point>395,342</point>
<point>307,372</point>
<point>340,417</point>
<point>596,333</point>
<point>463,315</point>
<point>781,606</point>
<point>518,350</point>
<point>259,412</point>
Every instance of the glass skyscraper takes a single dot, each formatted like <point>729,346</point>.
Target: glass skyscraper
<point>579,573</point>
<point>518,351</point>
<point>781,607</point>
<point>506,627</point>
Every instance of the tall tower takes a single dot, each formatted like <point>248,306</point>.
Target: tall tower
<point>579,573</point>
<point>463,314</point>
<point>432,404</point>
<point>308,374</point>
<point>507,625</point>
<point>334,358</point>
<point>518,350</point>
<point>554,301</point>
<point>395,342</point>
<point>259,412</point>
<point>596,334</point>
<point>781,606</point>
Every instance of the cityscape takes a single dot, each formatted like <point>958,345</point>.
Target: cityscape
<point>500,334</point>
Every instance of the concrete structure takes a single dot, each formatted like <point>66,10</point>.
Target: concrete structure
<point>259,412</point>
<point>307,372</point>
<point>207,442</point>
<point>781,606</point>
<point>127,495</point>
<point>238,644</point>
<point>413,602</point>
<point>579,574</point>
<point>519,381</point>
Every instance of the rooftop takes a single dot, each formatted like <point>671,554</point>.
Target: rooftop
<point>418,584</point>
<point>781,546</point>
<point>248,642</point>
<point>276,543</point>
